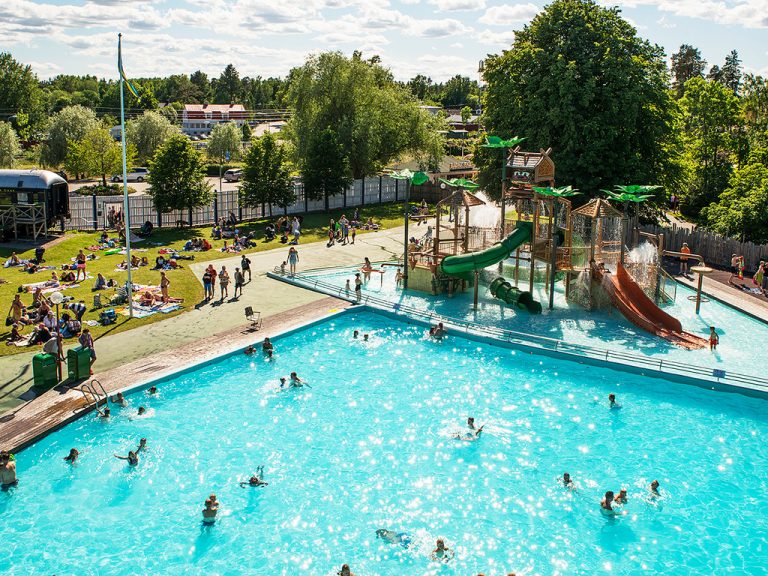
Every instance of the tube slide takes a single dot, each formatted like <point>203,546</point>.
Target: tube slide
<point>466,263</point>
<point>636,307</point>
<point>504,291</point>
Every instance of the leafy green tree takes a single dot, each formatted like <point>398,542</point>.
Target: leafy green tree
<point>742,209</point>
<point>754,104</point>
<point>226,138</point>
<point>71,124</point>
<point>21,125</point>
<point>731,72</point>
<point>247,132</point>
<point>177,176</point>
<point>202,86</point>
<point>228,87</point>
<point>20,90</point>
<point>457,91</point>
<point>148,132</point>
<point>170,114</point>
<point>9,145</point>
<point>579,79</point>
<point>325,171</point>
<point>375,119</point>
<point>420,86</point>
<point>466,114</point>
<point>267,175</point>
<point>103,155</point>
<point>77,161</point>
<point>709,112</point>
<point>687,63</point>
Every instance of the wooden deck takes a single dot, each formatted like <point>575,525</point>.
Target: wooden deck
<point>66,403</point>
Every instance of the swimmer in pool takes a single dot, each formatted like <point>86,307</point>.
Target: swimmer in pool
<point>256,480</point>
<point>250,350</point>
<point>283,383</point>
<point>73,454</point>
<point>355,334</point>
<point>365,337</point>
<point>153,390</point>
<point>133,458</point>
<point>269,354</point>
<point>612,404</point>
<point>472,434</point>
<point>621,497</point>
<point>654,488</point>
<point>142,410</point>
<point>120,400</point>
<point>606,504</point>
<point>297,382</point>
<point>441,553</point>
<point>266,346</point>
<point>345,571</point>
<point>105,414</point>
<point>209,512</point>
<point>394,537</point>
<point>7,470</point>
<point>142,445</point>
<point>567,481</point>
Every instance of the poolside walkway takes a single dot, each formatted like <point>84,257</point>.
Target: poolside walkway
<point>205,319</point>
<point>716,286</point>
<point>63,404</point>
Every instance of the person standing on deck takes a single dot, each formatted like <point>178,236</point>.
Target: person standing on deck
<point>684,259</point>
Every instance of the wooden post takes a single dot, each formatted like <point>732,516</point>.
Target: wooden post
<point>477,284</point>
<point>532,263</point>
<point>698,292</point>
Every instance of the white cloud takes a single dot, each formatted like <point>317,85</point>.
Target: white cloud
<point>454,5</point>
<point>507,14</point>
<point>503,39</point>
<point>438,28</point>
<point>746,13</point>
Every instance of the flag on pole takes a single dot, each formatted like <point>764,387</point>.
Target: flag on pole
<point>131,87</point>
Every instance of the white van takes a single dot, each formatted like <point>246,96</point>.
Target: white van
<point>233,175</point>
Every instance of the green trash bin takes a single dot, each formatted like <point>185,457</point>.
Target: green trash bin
<point>78,363</point>
<point>44,371</point>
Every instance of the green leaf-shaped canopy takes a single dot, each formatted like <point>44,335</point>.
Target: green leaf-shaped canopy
<point>416,178</point>
<point>496,142</point>
<point>562,192</point>
<point>460,183</point>
<point>631,193</point>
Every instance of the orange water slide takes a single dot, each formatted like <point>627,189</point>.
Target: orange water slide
<point>636,307</point>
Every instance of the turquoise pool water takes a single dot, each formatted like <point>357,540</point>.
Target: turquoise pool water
<point>599,328</point>
<point>369,446</point>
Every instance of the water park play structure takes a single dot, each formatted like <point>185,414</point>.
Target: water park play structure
<point>538,237</point>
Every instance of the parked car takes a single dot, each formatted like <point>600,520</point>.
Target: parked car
<point>233,175</point>
<point>134,174</point>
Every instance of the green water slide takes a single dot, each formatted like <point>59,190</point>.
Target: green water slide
<point>513,296</point>
<point>466,263</point>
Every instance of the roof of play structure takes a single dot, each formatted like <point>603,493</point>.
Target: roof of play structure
<point>463,198</point>
<point>598,208</point>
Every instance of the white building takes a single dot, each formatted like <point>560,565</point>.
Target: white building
<point>197,119</point>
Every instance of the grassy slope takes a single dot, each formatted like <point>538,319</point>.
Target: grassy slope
<point>183,283</point>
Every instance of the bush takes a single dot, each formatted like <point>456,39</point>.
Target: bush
<point>99,190</point>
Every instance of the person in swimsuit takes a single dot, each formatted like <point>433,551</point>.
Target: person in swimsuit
<point>105,414</point>
<point>621,497</point>
<point>256,480</point>
<point>654,488</point>
<point>365,337</point>
<point>297,382</point>
<point>164,284</point>
<point>606,504</point>
<point>472,433</point>
<point>80,261</point>
<point>714,339</point>
<point>441,553</point>
<point>684,259</point>
<point>250,350</point>
<point>239,282</point>
<point>120,400</point>
<point>72,456</point>
<point>293,259</point>
<point>7,470</point>
<point>612,404</point>
<point>358,288</point>
<point>133,458</point>
<point>142,445</point>
<point>152,390</point>
<point>367,269</point>
<point>224,282</point>
<point>399,277</point>
<point>355,334</point>
<point>393,537</point>
<point>567,481</point>
<point>266,346</point>
<point>209,512</point>
<point>345,571</point>
<point>142,411</point>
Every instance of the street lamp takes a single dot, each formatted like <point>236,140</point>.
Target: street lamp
<point>57,298</point>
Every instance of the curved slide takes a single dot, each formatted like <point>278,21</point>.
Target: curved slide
<point>636,307</point>
<point>465,263</point>
<point>504,291</point>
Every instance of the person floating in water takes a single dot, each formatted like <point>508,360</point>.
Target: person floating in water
<point>7,470</point>
<point>621,497</point>
<point>142,445</point>
<point>153,390</point>
<point>250,350</point>
<point>142,410</point>
<point>714,339</point>
<point>73,454</point>
<point>345,571</point>
<point>654,488</point>
<point>365,337</point>
<point>393,537</point>
<point>133,458</point>
<point>612,404</point>
<point>606,504</point>
<point>441,553</point>
<point>297,382</point>
<point>105,414</point>
<point>473,432</point>
<point>210,511</point>
<point>567,480</point>
<point>256,480</point>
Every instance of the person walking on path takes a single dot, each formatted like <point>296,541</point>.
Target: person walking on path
<point>245,264</point>
<point>293,259</point>
<point>239,281</point>
<point>86,341</point>
<point>164,283</point>
<point>224,282</point>
<point>207,283</point>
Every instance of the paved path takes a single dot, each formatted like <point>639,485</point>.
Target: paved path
<point>63,404</point>
<point>262,294</point>
<point>756,306</point>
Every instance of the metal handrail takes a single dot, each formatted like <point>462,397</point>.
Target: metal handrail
<point>90,388</point>
<point>662,365</point>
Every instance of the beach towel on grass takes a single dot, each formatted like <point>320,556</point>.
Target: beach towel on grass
<point>24,341</point>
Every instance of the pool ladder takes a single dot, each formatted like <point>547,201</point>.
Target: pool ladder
<point>91,393</point>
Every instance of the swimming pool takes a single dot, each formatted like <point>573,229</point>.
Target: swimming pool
<point>369,446</point>
<point>606,329</point>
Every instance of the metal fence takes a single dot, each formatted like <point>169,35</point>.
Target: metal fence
<point>90,212</point>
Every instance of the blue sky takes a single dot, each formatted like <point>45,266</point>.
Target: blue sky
<point>438,38</point>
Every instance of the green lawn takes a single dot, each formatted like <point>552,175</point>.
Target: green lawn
<point>183,283</point>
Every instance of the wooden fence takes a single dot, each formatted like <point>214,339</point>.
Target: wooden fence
<point>714,248</point>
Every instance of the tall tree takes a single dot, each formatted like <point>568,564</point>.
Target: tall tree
<point>579,79</point>
<point>325,171</point>
<point>731,72</point>
<point>267,175</point>
<point>103,155</point>
<point>202,86</point>
<point>457,91</point>
<point>687,63</point>
<point>20,91</point>
<point>9,145</point>
<point>742,209</point>
<point>148,132</point>
<point>228,88</point>
<point>68,125</point>
<point>177,176</point>
<point>709,113</point>
<point>419,86</point>
<point>375,119</point>
<point>754,102</point>
<point>226,139</point>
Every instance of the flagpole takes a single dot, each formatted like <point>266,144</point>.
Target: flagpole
<point>126,208</point>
